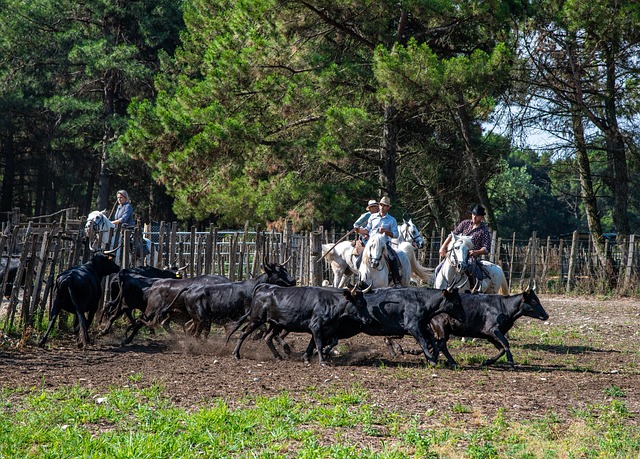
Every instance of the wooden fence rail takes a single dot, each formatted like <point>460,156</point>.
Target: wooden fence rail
<point>44,250</point>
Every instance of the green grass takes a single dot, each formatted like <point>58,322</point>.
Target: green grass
<point>76,422</point>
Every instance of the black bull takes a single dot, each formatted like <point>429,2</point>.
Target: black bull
<point>207,304</point>
<point>402,311</point>
<point>128,289</point>
<point>489,317</point>
<point>314,310</point>
<point>78,292</point>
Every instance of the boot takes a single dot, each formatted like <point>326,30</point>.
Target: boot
<point>395,270</point>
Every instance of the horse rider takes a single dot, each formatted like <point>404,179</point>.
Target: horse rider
<point>124,212</point>
<point>384,223</point>
<point>372,208</point>
<point>480,236</point>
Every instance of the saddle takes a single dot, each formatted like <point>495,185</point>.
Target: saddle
<point>358,247</point>
<point>476,272</point>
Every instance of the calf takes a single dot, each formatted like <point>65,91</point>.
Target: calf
<point>490,317</point>
<point>9,267</point>
<point>403,311</point>
<point>128,292</point>
<point>314,310</point>
<point>206,304</point>
<point>78,291</point>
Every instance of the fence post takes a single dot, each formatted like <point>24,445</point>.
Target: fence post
<point>13,302</point>
<point>627,274</point>
<point>40,271</point>
<point>315,268</point>
<point>28,281</point>
<point>572,260</point>
<point>492,255</point>
<point>208,251</point>
<point>534,243</point>
<point>512,256</point>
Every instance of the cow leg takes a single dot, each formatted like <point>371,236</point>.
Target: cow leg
<point>248,329</point>
<point>442,345</point>
<point>309,351</point>
<point>501,343</point>
<point>283,344</point>
<point>417,334</point>
<point>82,333</point>
<point>317,337</point>
<point>275,330</point>
<point>393,346</point>
<point>135,328</point>
<point>53,315</point>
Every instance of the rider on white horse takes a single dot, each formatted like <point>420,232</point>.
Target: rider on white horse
<point>384,223</point>
<point>479,233</point>
<point>361,240</point>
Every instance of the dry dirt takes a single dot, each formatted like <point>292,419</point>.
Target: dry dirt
<point>587,351</point>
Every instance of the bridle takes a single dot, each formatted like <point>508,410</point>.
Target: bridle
<point>412,236</point>
<point>375,261</point>
<point>96,228</point>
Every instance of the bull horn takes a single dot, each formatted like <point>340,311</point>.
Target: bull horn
<point>287,260</point>
<point>112,251</point>
<point>184,268</point>
<point>369,287</point>
<point>476,287</point>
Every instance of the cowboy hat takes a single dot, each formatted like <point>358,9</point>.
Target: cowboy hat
<point>386,201</point>
<point>478,210</point>
<point>372,202</point>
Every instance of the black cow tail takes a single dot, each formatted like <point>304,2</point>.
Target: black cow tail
<point>237,325</point>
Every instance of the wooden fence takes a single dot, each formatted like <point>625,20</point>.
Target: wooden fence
<point>46,248</point>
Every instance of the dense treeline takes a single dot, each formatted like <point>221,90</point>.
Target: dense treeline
<point>227,112</point>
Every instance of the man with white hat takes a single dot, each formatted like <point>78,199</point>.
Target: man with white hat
<point>384,223</point>
<point>372,208</point>
<point>358,244</point>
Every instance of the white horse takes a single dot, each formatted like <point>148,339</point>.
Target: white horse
<point>374,270</point>
<point>99,227</point>
<point>455,265</point>
<point>408,232</point>
<point>343,260</point>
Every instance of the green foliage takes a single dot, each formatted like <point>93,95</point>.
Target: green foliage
<point>126,422</point>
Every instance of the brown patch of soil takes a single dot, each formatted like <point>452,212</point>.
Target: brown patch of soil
<point>574,360</point>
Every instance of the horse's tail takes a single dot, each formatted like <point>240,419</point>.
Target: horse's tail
<point>504,286</point>
<point>417,269</point>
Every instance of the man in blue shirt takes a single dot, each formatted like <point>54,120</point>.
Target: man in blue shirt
<point>384,223</point>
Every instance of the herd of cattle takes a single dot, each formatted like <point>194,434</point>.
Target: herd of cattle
<point>272,303</point>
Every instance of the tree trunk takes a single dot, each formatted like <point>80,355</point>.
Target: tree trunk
<point>464,125</point>
<point>616,151</point>
<point>586,188</point>
<point>108,111</point>
<point>9,173</point>
<point>388,154</point>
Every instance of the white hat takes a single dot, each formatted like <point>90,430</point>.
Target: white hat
<point>386,201</point>
<point>372,202</point>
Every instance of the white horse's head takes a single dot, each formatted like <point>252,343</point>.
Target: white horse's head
<point>97,229</point>
<point>408,232</point>
<point>374,250</point>
<point>459,251</point>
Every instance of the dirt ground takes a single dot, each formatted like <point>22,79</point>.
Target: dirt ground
<point>587,351</point>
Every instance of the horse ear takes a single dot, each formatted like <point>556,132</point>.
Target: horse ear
<point>104,212</point>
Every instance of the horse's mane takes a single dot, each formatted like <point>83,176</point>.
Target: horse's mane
<point>374,239</point>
